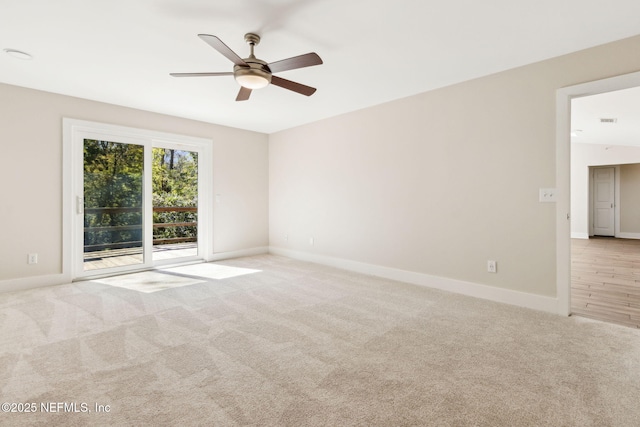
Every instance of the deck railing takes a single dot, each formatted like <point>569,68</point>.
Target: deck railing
<point>137,227</point>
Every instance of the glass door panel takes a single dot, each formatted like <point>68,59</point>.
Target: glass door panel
<point>113,204</point>
<point>175,204</point>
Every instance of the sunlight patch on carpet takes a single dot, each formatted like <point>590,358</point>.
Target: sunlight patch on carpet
<point>211,271</point>
<point>148,281</point>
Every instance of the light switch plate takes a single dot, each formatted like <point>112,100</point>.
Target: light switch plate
<point>548,195</point>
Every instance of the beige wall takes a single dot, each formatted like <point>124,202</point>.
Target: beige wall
<point>31,176</point>
<point>630,199</point>
<point>436,183</point>
<point>440,182</point>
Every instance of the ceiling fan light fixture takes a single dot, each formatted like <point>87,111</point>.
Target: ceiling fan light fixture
<point>252,77</point>
<point>251,81</point>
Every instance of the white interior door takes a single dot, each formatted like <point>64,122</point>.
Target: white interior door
<point>604,201</point>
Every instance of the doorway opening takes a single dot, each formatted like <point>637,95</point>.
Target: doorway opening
<point>603,253</point>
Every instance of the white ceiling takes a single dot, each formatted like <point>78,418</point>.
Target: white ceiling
<point>623,106</point>
<point>122,51</point>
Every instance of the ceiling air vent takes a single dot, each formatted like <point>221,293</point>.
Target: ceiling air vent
<point>608,120</point>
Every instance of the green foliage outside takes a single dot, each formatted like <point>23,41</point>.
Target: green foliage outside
<point>113,183</point>
<point>175,184</point>
<point>113,178</point>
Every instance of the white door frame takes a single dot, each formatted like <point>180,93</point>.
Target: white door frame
<point>563,174</point>
<point>74,132</point>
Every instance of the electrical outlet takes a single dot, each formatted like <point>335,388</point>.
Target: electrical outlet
<point>311,241</point>
<point>492,266</point>
<point>32,259</point>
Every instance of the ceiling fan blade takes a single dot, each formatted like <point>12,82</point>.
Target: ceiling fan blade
<point>218,45</point>
<point>296,87</point>
<point>306,60</point>
<point>244,94</point>
<point>200,74</point>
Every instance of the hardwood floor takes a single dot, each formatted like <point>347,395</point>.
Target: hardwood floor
<point>605,279</point>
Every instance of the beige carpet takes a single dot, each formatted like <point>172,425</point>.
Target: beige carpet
<point>296,344</point>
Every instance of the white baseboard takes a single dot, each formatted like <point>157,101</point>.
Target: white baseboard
<point>507,296</point>
<point>579,235</point>
<point>24,283</point>
<point>521,299</point>
<point>237,254</point>
<point>628,235</point>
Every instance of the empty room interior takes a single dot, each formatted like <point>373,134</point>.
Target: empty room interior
<point>320,213</point>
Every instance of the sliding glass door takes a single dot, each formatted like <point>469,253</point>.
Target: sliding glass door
<point>139,202</point>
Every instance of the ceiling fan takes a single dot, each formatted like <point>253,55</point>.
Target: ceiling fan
<point>253,73</point>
